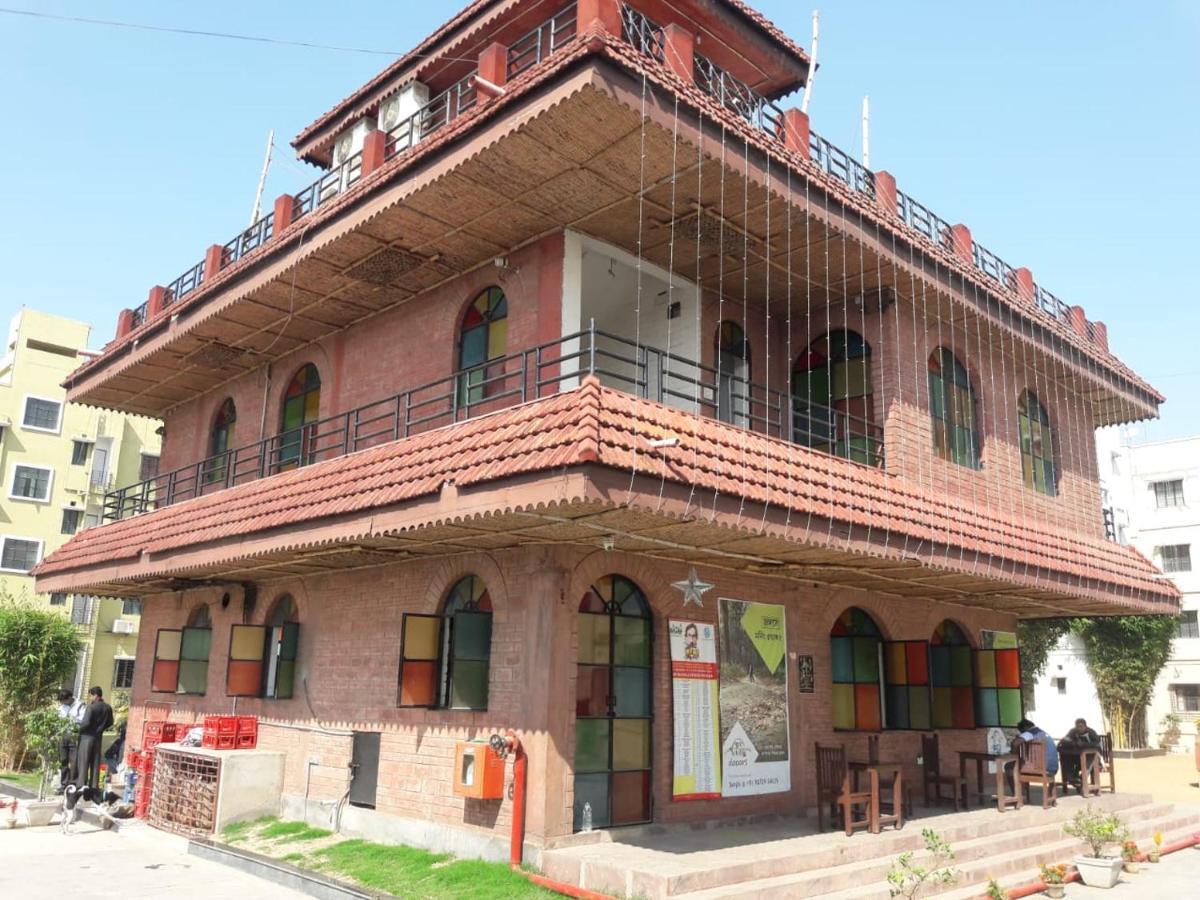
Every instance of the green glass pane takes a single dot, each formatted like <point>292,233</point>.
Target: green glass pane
<point>593,791</point>
<point>293,414</point>
<point>843,659</point>
<point>472,635</point>
<point>937,398</point>
<point>943,708</point>
<point>987,707</point>
<point>939,663</point>
<point>196,643</point>
<point>897,707</point>
<point>593,638</point>
<point>633,691</point>
<point>285,679</point>
<point>866,660</point>
<point>960,666</point>
<point>591,745</point>
<point>1010,707</point>
<point>289,640</point>
<point>918,708</point>
<point>469,684</point>
<point>474,347</point>
<point>193,676</point>
<point>631,645</point>
<point>631,743</point>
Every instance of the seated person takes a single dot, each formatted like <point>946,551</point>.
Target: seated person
<point>1030,733</point>
<point>1081,737</point>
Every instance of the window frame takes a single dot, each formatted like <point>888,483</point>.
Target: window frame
<point>476,380</point>
<point>4,539</point>
<point>57,429</point>
<point>222,426</point>
<point>156,659</point>
<point>118,669</point>
<point>1175,563</point>
<point>852,635</point>
<point>77,512</point>
<point>838,353</point>
<point>978,667</point>
<point>1192,695</point>
<point>943,640</point>
<point>1172,496</point>
<point>12,483</point>
<point>947,423</point>
<point>293,446</point>
<point>1028,404</point>
<point>443,661</point>
<point>916,684</point>
<point>1189,621</point>
<point>77,458</point>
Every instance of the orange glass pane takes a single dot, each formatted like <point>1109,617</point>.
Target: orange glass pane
<point>896,668</point>
<point>866,707</point>
<point>418,684</point>
<point>1008,669</point>
<point>964,707</point>
<point>243,679</point>
<point>918,663</point>
<point>165,676</point>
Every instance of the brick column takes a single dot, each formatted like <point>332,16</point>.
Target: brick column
<point>1026,289</point>
<point>885,192</point>
<point>124,322</point>
<point>960,243</point>
<point>213,258</point>
<point>599,15</point>
<point>1078,319</point>
<point>156,301</point>
<point>794,132</point>
<point>285,208</point>
<point>373,151</point>
<point>493,64</point>
<point>1100,335</point>
<point>679,52</point>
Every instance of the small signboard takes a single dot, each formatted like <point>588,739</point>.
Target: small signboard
<point>806,674</point>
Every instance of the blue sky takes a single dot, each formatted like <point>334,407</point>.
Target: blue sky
<point>1065,134</point>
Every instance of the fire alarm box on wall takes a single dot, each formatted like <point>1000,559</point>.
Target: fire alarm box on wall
<point>478,771</point>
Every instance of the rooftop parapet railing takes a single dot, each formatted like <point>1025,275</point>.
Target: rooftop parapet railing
<point>443,109</point>
<point>530,49</point>
<point>645,35</point>
<point>540,371</point>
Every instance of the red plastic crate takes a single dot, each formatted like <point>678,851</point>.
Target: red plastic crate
<point>152,729</point>
<point>226,741</point>
<point>247,725</point>
<point>247,741</point>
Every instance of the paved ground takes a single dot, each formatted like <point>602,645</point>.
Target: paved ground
<point>1176,876</point>
<point>1169,779</point>
<point>137,862</point>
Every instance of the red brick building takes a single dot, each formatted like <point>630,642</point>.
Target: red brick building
<point>576,308</point>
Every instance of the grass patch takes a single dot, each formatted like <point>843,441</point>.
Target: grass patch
<point>27,780</point>
<point>308,834</point>
<point>238,831</point>
<point>293,857</point>
<point>408,872</point>
<point>294,831</point>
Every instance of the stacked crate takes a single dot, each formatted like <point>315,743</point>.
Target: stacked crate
<point>230,732</point>
<point>186,792</point>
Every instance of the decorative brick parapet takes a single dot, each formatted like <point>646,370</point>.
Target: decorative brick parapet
<point>961,243</point>
<point>679,52</point>
<point>795,133</point>
<point>885,192</point>
<point>602,15</point>
<point>124,322</point>
<point>156,302</point>
<point>285,212</point>
<point>1026,289</point>
<point>374,151</point>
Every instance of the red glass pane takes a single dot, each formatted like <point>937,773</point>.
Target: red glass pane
<point>591,602</point>
<point>630,797</point>
<point>1008,669</point>
<point>866,707</point>
<point>244,679</point>
<point>418,684</point>
<point>165,676</point>
<point>591,691</point>
<point>918,662</point>
<point>964,707</point>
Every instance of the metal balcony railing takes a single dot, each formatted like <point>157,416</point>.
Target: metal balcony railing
<point>540,371</point>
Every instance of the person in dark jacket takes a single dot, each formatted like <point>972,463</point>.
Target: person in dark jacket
<point>71,711</point>
<point>97,718</point>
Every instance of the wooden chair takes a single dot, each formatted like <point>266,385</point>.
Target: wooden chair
<point>1106,757</point>
<point>1032,771</point>
<point>834,790</point>
<point>932,778</point>
<point>886,783</point>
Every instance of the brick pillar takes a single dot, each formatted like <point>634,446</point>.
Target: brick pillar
<point>960,243</point>
<point>599,15</point>
<point>1078,319</point>
<point>794,132</point>
<point>885,192</point>
<point>1026,289</point>
<point>1100,335</point>
<point>156,301</point>
<point>213,258</point>
<point>493,64</point>
<point>285,208</point>
<point>124,322</point>
<point>373,151</point>
<point>679,52</point>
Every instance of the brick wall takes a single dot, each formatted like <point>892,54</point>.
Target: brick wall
<point>349,657</point>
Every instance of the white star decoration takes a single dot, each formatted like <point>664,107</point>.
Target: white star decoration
<point>693,588</point>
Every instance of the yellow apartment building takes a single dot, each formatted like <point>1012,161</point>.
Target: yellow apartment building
<point>57,460</point>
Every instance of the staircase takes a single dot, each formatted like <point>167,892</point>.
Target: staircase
<point>1006,846</point>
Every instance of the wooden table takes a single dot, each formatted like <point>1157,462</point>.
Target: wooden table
<point>1002,761</point>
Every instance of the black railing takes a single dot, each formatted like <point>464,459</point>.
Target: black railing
<point>325,188</point>
<point>737,96</point>
<point>250,239</point>
<point>541,371</point>
<point>841,165</point>
<point>532,48</point>
<point>184,284</point>
<point>441,110</point>
<point>645,35</point>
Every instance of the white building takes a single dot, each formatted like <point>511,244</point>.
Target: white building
<point>1151,496</point>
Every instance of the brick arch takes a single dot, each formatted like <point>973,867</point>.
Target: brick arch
<point>972,638</point>
<point>282,374</point>
<point>643,573</point>
<point>448,573</point>
<point>195,609</point>
<point>270,595</point>
<point>872,607</point>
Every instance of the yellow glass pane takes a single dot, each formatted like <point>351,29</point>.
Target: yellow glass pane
<point>247,642</point>
<point>421,637</point>
<point>897,668</point>
<point>843,706</point>
<point>168,645</point>
<point>497,339</point>
<point>593,638</point>
<point>985,668</point>
<point>312,406</point>
<point>631,743</point>
<point>851,378</point>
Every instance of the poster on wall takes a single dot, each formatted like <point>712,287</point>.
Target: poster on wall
<point>694,686</point>
<point>755,756</point>
<point>997,640</point>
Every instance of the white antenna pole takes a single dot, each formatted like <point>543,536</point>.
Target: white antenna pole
<point>866,131</point>
<point>812,65</point>
<point>262,179</point>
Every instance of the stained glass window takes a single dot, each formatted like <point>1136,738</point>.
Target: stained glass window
<point>613,707</point>
<point>952,678</point>
<point>952,410</point>
<point>445,659</point>
<point>1037,445</point>
<point>855,649</point>
<point>832,398</point>
<point>301,408</point>
<point>164,676</point>
<point>733,374</point>
<point>219,440</point>
<point>283,644</point>
<point>247,653</point>
<point>194,648</point>
<point>998,688</point>
<point>906,678</point>
<point>482,338</point>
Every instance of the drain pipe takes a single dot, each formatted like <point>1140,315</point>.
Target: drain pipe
<point>503,746</point>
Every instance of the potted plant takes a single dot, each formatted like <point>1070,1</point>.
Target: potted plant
<point>994,891</point>
<point>1153,855</point>
<point>1097,830</point>
<point>1055,878</point>
<point>44,730</point>
<point>1129,855</point>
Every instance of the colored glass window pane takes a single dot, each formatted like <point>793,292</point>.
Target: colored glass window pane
<point>301,407</point>
<point>592,738</point>
<point>952,410</point>
<point>631,644</point>
<point>418,683</point>
<point>422,637</point>
<point>591,691</point>
<point>832,397</point>
<point>843,707</point>
<point>631,743</point>
<point>164,677</point>
<point>1008,669</point>
<point>196,643</point>
<point>1010,707</point>
<point>632,688</point>
<point>630,797</point>
<point>167,644</point>
<point>247,642</point>
<point>591,791</point>
<point>244,678</point>
<point>595,634</point>
<point>469,685</point>
<point>843,659</point>
<point>468,619</point>
<point>193,676</point>
<point>985,668</point>
<point>420,659</point>
<point>1037,444</point>
<point>867,716</point>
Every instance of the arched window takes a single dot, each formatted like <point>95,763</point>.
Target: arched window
<point>855,648</point>
<point>832,398</point>
<point>444,659</point>
<point>262,658</point>
<point>1037,445</point>
<point>612,704</point>
<point>733,374</point>
<point>482,338</point>
<point>952,410</point>
<point>220,439</point>
<point>181,656</point>
<point>301,408</point>
<point>951,677</point>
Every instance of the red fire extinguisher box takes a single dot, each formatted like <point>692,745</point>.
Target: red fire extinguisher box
<point>478,771</point>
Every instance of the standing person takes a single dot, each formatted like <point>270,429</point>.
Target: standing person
<point>97,719</point>
<point>71,711</point>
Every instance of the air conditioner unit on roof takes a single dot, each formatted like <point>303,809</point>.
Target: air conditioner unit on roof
<point>122,626</point>
<point>351,140</point>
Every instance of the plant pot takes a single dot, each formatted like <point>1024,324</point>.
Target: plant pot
<point>1152,856</point>
<point>1130,866</point>
<point>41,812</point>
<point>1101,872</point>
<point>1056,890</point>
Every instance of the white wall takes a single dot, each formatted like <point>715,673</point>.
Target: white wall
<point>1056,713</point>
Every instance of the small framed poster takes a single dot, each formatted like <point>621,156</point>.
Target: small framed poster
<point>807,678</point>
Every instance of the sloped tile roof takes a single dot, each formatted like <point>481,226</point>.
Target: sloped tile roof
<point>596,425</point>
